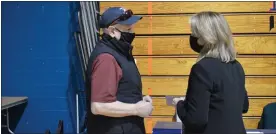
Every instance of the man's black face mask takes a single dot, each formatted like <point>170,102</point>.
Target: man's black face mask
<point>194,45</point>
<point>126,36</point>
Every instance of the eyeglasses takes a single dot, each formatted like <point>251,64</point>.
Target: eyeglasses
<point>126,15</point>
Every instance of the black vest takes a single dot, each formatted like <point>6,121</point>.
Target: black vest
<point>129,88</point>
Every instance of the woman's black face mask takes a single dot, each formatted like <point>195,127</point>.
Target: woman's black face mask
<point>194,45</point>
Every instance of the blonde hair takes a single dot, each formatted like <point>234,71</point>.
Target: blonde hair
<point>214,34</point>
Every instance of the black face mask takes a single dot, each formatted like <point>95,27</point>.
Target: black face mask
<point>194,45</point>
<point>126,36</point>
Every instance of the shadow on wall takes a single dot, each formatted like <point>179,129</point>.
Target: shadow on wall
<point>75,80</point>
<point>15,116</point>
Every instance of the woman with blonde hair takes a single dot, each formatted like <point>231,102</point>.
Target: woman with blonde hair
<point>216,96</point>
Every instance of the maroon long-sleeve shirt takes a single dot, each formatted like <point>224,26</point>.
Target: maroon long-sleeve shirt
<point>106,74</point>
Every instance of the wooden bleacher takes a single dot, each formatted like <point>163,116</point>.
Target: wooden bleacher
<point>165,59</point>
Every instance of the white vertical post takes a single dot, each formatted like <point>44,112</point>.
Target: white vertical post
<point>77,112</point>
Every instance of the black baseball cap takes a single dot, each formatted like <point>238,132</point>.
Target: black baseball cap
<point>117,15</point>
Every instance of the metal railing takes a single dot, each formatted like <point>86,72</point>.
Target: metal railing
<point>86,39</point>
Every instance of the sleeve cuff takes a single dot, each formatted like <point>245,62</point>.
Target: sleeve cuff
<point>181,112</point>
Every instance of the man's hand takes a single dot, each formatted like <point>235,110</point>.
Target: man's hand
<point>176,100</point>
<point>143,108</point>
<point>147,99</point>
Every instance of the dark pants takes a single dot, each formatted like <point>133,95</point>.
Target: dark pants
<point>125,125</point>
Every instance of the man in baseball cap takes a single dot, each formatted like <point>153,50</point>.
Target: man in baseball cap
<point>116,104</point>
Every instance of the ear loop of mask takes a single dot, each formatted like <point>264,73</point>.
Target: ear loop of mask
<point>113,29</point>
<point>118,29</point>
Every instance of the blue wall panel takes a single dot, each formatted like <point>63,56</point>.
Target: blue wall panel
<point>39,61</point>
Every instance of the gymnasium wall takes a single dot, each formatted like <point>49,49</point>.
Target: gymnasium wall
<point>39,61</point>
<point>164,57</point>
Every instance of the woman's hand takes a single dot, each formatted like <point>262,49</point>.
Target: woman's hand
<point>176,100</point>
